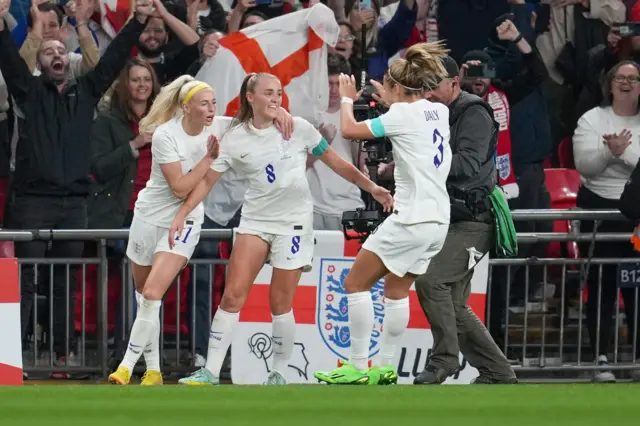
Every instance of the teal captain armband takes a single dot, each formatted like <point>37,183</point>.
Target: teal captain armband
<point>320,148</point>
<point>377,128</point>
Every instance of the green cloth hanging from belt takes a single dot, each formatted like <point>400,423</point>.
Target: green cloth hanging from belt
<point>506,240</point>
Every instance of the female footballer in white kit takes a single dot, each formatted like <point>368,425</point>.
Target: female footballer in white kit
<point>184,145</point>
<point>277,217</point>
<point>404,244</point>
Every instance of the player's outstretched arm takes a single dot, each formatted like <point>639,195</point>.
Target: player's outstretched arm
<point>195,197</point>
<point>349,172</point>
<point>349,127</point>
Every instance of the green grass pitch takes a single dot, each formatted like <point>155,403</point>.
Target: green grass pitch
<point>302,405</point>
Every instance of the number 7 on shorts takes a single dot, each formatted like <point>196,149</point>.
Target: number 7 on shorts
<point>186,235</point>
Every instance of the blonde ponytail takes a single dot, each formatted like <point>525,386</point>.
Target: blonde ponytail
<point>421,68</point>
<point>168,103</point>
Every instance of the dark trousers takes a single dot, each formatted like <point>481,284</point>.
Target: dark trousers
<point>199,312</point>
<point>608,287</point>
<point>44,212</point>
<point>443,293</point>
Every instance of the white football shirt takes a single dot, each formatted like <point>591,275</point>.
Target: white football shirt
<point>156,203</point>
<point>419,134</point>
<point>278,200</point>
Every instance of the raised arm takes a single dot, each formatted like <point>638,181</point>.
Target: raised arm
<point>195,197</point>
<point>88,46</point>
<point>116,55</point>
<point>187,35</point>
<point>318,146</point>
<point>13,68</point>
<point>349,127</point>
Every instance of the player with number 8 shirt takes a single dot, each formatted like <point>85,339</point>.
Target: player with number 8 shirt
<point>277,217</point>
<point>402,247</point>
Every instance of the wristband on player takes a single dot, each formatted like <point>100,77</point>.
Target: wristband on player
<point>346,100</point>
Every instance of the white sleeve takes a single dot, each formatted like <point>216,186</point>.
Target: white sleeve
<point>388,124</point>
<point>590,155</point>
<point>310,136</point>
<point>221,126</point>
<point>163,148</point>
<point>224,161</point>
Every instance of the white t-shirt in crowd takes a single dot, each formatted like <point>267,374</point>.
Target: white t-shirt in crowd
<point>156,203</point>
<point>601,172</point>
<point>332,195</point>
<point>226,197</point>
<point>278,200</point>
<point>419,134</point>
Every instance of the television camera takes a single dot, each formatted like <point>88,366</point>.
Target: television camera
<point>364,221</point>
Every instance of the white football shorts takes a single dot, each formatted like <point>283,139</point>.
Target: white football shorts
<point>145,240</point>
<point>407,248</point>
<point>287,252</point>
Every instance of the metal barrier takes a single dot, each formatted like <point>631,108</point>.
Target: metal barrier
<point>543,340</point>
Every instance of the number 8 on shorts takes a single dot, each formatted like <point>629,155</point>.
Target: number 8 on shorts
<point>295,245</point>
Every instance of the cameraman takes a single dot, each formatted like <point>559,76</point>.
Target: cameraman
<point>444,290</point>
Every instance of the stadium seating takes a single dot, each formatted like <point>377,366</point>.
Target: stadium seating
<point>565,154</point>
<point>563,185</point>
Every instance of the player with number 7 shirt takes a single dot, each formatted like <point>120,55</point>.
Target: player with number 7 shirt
<point>404,244</point>
<point>277,217</point>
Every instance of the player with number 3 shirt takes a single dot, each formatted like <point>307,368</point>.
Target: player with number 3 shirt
<point>403,245</point>
<point>277,217</point>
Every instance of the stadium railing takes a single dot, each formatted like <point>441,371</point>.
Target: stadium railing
<point>543,337</point>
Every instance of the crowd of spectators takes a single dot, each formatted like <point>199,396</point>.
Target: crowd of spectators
<point>71,155</point>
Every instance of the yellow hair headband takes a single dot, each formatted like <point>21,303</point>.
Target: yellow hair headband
<point>195,90</point>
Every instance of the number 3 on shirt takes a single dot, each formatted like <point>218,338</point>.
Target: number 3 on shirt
<point>439,141</point>
<point>271,175</point>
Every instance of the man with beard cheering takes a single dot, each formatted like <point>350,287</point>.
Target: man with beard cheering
<point>53,158</point>
<point>153,45</point>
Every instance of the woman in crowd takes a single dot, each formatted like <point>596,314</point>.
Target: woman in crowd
<point>606,150</point>
<point>277,217</point>
<point>121,162</point>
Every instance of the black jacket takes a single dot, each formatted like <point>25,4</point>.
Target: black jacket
<point>474,137</point>
<point>531,139</point>
<point>53,153</point>
<point>114,169</point>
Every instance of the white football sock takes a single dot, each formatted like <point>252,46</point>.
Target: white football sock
<point>283,337</point>
<point>146,318</point>
<point>152,349</point>
<point>361,325</point>
<point>219,339</point>
<point>396,318</point>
